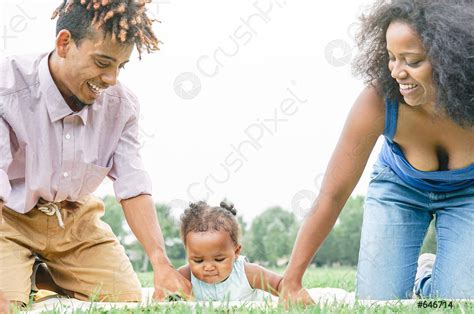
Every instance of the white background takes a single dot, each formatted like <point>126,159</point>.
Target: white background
<point>305,46</point>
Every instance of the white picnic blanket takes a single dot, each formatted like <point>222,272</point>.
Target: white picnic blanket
<point>323,296</point>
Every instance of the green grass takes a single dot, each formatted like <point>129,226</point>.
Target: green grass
<point>323,277</point>
<point>337,277</point>
<point>334,277</point>
<point>340,277</point>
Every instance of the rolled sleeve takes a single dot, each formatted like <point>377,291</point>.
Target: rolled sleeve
<point>128,172</point>
<point>5,160</point>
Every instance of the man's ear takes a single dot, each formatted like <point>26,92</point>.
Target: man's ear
<point>238,248</point>
<point>63,43</point>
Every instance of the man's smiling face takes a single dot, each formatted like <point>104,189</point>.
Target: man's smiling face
<point>89,67</point>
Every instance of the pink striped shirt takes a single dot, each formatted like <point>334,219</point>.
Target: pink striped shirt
<point>49,151</point>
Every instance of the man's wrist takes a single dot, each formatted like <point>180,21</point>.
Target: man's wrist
<point>158,259</point>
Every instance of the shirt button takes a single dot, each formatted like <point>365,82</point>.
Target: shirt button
<point>65,174</point>
<point>68,136</point>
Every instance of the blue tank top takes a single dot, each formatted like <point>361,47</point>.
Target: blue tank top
<point>430,181</point>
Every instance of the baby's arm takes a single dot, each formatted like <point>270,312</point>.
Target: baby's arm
<point>185,271</point>
<point>261,278</point>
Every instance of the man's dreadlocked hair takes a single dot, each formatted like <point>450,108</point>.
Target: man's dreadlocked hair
<point>125,20</point>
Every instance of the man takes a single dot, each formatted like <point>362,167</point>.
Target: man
<point>65,124</point>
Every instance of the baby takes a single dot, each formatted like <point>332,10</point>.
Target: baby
<point>215,267</point>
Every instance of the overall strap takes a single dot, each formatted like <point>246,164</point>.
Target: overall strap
<point>391,116</point>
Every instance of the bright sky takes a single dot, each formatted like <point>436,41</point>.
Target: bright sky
<point>245,100</point>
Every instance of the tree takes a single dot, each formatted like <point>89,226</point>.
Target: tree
<point>271,236</point>
<point>114,217</point>
<point>429,244</point>
<point>342,244</point>
<point>171,233</point>
<point>243,225</point>
<point>173,244</point>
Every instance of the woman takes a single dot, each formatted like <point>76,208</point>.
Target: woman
<point>417,57</point>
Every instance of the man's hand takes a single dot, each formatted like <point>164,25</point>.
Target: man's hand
<point>4,304</point>
<point>292,292</point>
<point>142,219</point>
<point>168,281</point>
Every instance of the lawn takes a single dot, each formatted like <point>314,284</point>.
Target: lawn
<point>336,277</point>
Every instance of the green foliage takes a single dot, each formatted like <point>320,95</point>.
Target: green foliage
<point>269,239</point>
<point>342,244</point>
<point>243,225</point>
<point>170,229</point>
<point>114,217</point>
<point>174,246</point>
<point>271,236</point>
<point>429,245</point>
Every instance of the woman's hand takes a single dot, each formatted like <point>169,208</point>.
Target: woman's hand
<point>292,292</point>
<point>363,126</point>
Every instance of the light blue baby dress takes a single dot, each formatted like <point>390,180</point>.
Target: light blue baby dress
<point>235,288</point>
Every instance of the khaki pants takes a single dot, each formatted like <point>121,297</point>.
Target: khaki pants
<point>85,257</point>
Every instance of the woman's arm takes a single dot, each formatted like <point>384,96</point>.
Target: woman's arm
<point>363,126</point>
<point>261,278</point>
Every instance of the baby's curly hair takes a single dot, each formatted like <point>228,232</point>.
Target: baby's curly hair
<point>125,21</point>
<point>200,217</point>
<point>446,29</point>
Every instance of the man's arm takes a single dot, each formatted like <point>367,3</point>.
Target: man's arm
<point>142,219</point>
<point>1,210</point>
<point>5,161</point>
<point>5,187</point>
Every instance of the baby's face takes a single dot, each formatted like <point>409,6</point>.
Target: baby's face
<point>211,255</point>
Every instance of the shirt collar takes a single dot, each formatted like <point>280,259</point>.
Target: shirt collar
<point>56,105</point>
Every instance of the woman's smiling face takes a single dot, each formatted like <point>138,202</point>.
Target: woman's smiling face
<point>409,65</point>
